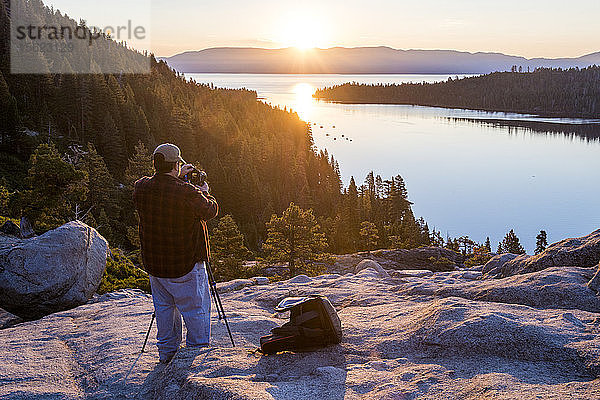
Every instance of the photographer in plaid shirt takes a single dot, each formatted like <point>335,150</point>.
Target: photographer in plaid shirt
<point>174,244</point>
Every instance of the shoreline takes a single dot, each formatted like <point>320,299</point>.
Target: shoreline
<point>506,111</point>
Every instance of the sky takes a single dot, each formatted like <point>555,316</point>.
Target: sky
<point>529,28</point>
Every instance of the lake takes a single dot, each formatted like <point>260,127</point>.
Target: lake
<point>467,172</point>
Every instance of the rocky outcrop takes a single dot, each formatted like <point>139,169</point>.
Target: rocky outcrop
<point>431,258</point>
<point>573,252</point>
<point>494,265</point>
<point>7,319</point>
<point>58,270</point>
<point>364,264</point>
<point>594,283</point>
<point>559,287</point>
<point>425,335</point>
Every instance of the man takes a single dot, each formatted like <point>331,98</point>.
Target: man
<point>175,249</point>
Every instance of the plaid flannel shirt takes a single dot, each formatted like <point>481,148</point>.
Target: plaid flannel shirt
<point>173,233</point>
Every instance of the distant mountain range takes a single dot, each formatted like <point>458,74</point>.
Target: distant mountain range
<point>360,60</point>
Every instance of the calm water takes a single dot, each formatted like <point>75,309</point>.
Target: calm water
<point>464,178</point>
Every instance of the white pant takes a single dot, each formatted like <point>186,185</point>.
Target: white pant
<point>189,296</point>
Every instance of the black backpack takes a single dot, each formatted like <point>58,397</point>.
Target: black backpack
<point>313,323</point>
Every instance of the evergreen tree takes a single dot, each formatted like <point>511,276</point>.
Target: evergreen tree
<point>101,187</point>
<point>541,242</point>
<point>113,146</point>
<point>452,244</point>
<point>350,218</point>
<point>488,245</point>
<point>228,250</point>
<point>436,239</point>
<point>140,164</point>
<point>295,237</point>
<point>369,235</point>
<point>510,244</point>
<point>105,225</point>
<point>9,117</point>
<point>465,244</point>
<point>55,188</point>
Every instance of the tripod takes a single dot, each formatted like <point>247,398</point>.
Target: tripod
<point>217,300</point>
<point>218,305</point>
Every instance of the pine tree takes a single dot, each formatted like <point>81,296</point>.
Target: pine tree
<point>488,245</point>
<point>104,225</point>
<point>295,237</point>
<point>9,117</point>
<point>228,250</point>
<point>139,165</point>
<point>350,217</point>
<point>113,146</point>
<point>465,244</point>
<point>541,242</point>
<point>55,188</point>
<point>436,238</point>
<point>510,244</point>
<point>369,235</point>
<point>101,187</point>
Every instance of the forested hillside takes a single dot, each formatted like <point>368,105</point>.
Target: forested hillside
<point>72,146</point>
<point>551,92</point>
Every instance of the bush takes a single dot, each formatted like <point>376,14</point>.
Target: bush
<point>479,257</point>
<point>121,273</point>
<point>441,264</point>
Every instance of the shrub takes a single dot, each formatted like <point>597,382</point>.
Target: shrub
<point>121,273</point>
<point>480,256</point>
<point>441,264</point>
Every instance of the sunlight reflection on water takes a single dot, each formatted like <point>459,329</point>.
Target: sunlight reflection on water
<point>465,178</point>
<point>303,101</point>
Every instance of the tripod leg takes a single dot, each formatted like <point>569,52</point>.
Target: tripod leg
<point>213,289</point>
<point>143,347</point>
<point>218,300</point>
<point>148,333</point>
<point>212,292</point>
<point>225,319</point>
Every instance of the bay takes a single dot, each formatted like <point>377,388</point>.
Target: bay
<point>467,172</point>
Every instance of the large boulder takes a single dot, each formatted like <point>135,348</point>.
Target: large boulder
<point>58,270</point>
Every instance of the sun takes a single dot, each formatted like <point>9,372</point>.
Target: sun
<point>303,32</point>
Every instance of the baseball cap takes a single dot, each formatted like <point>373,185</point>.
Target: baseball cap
<point>170,152</point>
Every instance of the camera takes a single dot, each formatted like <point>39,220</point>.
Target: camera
<point>195,177</point>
